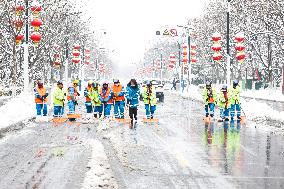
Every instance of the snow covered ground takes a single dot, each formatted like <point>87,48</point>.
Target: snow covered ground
<point>252,108</point>
<point>268,94</point>
<point>17,109</point>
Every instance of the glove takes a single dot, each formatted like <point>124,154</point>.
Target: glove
<point>78,94</point>
<point>128,102</point>
<point>75,102</point>
<point>64,94</point>
<point>207,99</point>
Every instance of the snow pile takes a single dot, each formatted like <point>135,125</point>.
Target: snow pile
<point>269,94</point>
<point>254,109</point>
<point>100,174</point>
<point>17,109</point>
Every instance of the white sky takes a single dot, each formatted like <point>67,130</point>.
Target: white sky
<point>131,24</point>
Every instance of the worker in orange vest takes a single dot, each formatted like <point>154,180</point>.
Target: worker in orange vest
<point>41,95</point>
<point>118,99</point>
<point>106,98</point>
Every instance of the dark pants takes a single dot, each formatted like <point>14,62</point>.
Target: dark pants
<point>133,113</point>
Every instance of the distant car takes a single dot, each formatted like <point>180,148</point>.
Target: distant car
<point>157,83</point>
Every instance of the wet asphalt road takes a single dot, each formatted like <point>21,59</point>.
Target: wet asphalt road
<point>179,152</point>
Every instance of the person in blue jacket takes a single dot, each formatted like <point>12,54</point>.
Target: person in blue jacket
<point>132,96</point>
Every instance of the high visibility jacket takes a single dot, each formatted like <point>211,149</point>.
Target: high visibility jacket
<point>118,93</point>
<point>58,97</point>
<point>132,95</point>
<point>149,95</point>
<point>209,96</point>
<point>40,92</point>
<point>71,93</point>
<point>223,100</point>
<point>87,93</point>
<point>235,93</point>
<point>105,95</point>
<point>95,96</point>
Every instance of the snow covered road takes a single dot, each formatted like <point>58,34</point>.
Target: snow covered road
<point>179,152</point>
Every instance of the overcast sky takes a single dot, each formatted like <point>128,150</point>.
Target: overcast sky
<point>130,24</point>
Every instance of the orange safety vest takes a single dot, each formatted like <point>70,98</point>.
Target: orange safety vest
<point>69,97</point>
<point>116,90</point>
<point>41,92</point>
<point>106,95</point>
<point>87,97</point>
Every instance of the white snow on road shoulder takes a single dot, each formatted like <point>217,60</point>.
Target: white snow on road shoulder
<point>17,109</point>
<point>100,174</point>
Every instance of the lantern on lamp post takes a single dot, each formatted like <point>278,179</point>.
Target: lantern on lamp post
<point>36,23</point>
<point>193,53</point>
<point>240,47</point>
<point>36,37</point>
<point>216,47</point>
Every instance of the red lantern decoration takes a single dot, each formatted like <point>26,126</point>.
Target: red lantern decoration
<point>76,53</point>
<point>193,60</point>
<point>217,56</point>
<point>171,65</point>
<point>87,57</point>
<point>184,53</point>
<point>87,62</point>
<point>36,10</point>
<point>36,23</point>
<point>184,60</point>
<point>87,51</point>
<point>240,47</point>
<point>241,56</point>
<point>19,38</point>
<point>216,47</point>
<point>76,46</point>
<point>216,37</point>
<point>193,52</point>
<point>240,37</point>
<point>36,37</point>
<point>19,10</point>
<point>56,62</point>
<point>76,60</point>
<point>18,24</point>
<point>193,46</point>
<point>56,55</point>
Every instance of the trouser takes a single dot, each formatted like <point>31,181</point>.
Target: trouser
<point>89,107</point>
<point>41,109</point>
<point>133,113</point>
<point>150,110</point>
<point>107,109</point>
<point>57,111</point>
<point>174,87</point>
<point>210,109</point>
<point>98,111</point>
<point>119,109</point>
<point>224,113</point>
<point>235,108</point>
<point>71,106</point>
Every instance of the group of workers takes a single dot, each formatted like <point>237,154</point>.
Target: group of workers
<point>228,101</point>
<point>99,99</point>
